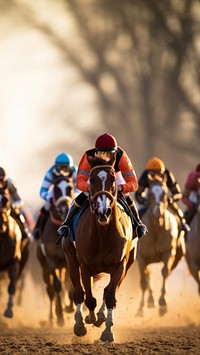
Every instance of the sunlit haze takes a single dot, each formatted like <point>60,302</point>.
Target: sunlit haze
<point>36,91</point>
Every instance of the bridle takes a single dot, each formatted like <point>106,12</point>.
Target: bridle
<point>60,205</point>
<point>93,198</point>
<point>157,206</point>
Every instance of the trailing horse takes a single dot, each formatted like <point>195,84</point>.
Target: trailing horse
<point>193,242</point>
<point>50,255</point>
<point>104,244</point>
<point>163,244</point>
<point>14,251</point>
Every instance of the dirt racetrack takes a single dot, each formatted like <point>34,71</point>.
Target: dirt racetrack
<point>177,332</point>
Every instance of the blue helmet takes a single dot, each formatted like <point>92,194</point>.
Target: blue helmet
<point>64,159</point>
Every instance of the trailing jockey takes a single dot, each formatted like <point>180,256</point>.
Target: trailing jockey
<point>63,166</point>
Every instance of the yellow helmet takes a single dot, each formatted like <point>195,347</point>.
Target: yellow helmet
<point>155,164</point>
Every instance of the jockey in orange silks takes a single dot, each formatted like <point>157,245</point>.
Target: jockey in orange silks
<point>105,147</point>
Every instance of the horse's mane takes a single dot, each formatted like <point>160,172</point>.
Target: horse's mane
<point>99,161</point>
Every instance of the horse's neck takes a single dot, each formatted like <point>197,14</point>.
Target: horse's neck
<point>163,220</point>
<point>54,216</point>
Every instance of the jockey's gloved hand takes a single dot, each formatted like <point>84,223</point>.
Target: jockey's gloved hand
<point>141,230</point>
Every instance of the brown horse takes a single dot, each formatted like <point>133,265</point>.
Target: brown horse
<point>50,255</point>
<point>193,242</point>
<point>13,250</point>
<point>162,244</point>
<point>104,244</point>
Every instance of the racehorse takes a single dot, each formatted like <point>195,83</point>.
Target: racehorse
<point>50,255</point>
<point>163,244</point>
<point>193,242</point>
<point>13,250</point>
<point>104,245</point>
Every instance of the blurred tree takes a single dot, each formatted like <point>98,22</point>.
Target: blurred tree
<point>142,60</point>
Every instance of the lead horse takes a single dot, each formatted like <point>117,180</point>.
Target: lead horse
<point>104,244</point>
<point>51,256</point>
<point>164,244</point>
<point>193,242</point>
<point>14,251</point>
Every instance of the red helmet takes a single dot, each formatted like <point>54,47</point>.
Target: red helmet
<point>106,142</point>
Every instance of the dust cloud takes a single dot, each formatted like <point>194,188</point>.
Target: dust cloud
<point>31,308</point>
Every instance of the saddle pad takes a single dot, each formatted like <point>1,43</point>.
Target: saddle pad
<point>76,219</point>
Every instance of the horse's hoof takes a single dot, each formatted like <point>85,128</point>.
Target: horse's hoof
<point>90,320</point>
<point>151,305</point>
<point>69,309</point>
<point>140,313</point>
<point>99,321</point>
<point>107,336</point>
<point>162,310</point>
<point>80,330</point>
<point>60,322</point>
<point>8,313</point>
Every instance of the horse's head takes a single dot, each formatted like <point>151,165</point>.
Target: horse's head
<point>4,210</point>
<point>158,198</point>
<point>103,188</point>
<point>62,197</point>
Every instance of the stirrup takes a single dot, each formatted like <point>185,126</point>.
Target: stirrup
<point>185,227</point>
<point>63,231</point>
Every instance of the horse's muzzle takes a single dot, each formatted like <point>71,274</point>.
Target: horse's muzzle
<point>104,218</point>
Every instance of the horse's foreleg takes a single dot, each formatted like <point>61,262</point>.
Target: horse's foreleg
<point>58,289</point>
<point>74,270</point>
<point>144,284</point>
<point>59,310</point>
<point>79,326</point>
<point>70,289</point>
<point>101,315</point>
<point>74,273</point>
<point>116,278</point>
<point>90,300</point>
<point>12,272</point>
<point>168,262</point>
<point>9,310</point>
<point>150,300</point>
<point>107,335</point>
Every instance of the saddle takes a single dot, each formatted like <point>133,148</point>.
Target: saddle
<point>120,199</point>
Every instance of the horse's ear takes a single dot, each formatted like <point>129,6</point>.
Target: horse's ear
<point>113,159</point>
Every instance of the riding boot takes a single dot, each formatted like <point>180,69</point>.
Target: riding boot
<point>64,229</point>
<point>26,234</point>
<point>42,218</point>
<point>139,228</point>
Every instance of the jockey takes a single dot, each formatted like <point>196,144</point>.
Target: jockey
<point>63,166</point>
<point>17,212</point>
<point>156,169</point>
<point>190,193</point>
<point>105,147</point>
